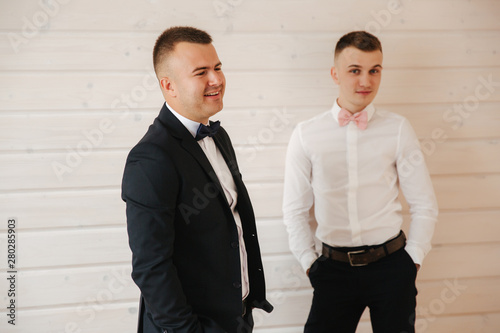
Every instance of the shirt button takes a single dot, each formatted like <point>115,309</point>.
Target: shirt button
<point>237,285</point>
<point>234,245</point>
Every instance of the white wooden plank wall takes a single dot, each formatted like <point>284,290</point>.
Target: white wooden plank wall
<point>77,91</point>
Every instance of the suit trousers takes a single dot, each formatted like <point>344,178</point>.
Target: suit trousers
<point>342,292</point>
<point>245,323</point>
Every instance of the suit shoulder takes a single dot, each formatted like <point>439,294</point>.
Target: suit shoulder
<point>154,144</point>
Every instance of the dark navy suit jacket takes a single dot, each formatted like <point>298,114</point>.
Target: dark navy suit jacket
<point>183,236</point>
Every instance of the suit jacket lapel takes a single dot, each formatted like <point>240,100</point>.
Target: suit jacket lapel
<point>188,143</point>
<point>225,149</point>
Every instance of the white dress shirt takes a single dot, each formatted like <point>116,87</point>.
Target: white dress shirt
<point>221,169</point>
<point>351,178</point>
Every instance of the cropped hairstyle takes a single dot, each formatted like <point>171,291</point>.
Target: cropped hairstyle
<point>167,41</point>
<point>361,40</point>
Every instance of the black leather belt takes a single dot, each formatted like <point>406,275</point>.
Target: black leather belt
<point>366,256</point>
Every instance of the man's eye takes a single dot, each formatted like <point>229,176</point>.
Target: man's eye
<point>374,71</point>
<point>355,71</point>
<point>200,74</point>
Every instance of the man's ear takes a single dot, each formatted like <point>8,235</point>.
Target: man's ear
<point>168,86</point>
<point>333,73</point>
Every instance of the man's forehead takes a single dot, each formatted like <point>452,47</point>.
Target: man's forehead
<point>186,49</point>
<point>352,56</point>
<point>196,55</point>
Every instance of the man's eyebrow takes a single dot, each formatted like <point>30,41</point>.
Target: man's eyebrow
<point>199,69</point>
<point>359,66</point>
<point>204,68</point>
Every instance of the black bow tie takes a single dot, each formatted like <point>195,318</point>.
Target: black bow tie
<point>210,130</point>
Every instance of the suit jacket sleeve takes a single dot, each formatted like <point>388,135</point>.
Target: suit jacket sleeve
<point>150,186</point>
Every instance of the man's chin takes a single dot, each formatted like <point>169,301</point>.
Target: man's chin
<point>213,110</point>
<point>364,102</point>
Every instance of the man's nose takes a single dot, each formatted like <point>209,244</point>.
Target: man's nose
<point>216,78</point>
<point>364,80</point>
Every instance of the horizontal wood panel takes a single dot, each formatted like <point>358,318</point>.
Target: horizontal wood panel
<point>123,317</point>
<point>81,166</point>
<point>472,296</point>
<point>100,246</point>
<point>438,122</point>
<point>270,51</point>
<point>244,89</point>
<point>458,229</point>
<point>49,249</point>
<point>70,208</point>
<point>59,209</point>
<point>467,192</point>
<point>251,129</point>
<point>484,323</point>
<point>32,131</point>
<point>459,192</point>
<point>240,16</point>
<point>29,132</point>
<point>284,272</point>
<point>76,286</point>
<point>435,299</point>
<point>462,157</point>
<point>88,317</point>
<point>71,75</point>
<point>442,158</point>
<point>77,209</point>
<point>467,227</point>
<point>63,170</point>
<point>452,228</point>
<point>461,261</point>
<point>464,192</point>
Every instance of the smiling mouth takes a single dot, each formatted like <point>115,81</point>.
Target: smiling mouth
<point>216,93</point>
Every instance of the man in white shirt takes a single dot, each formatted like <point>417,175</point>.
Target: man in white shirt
<point>347,165</point>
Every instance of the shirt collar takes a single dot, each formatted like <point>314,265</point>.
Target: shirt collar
<point>370,110</point>
<point>191,126</point>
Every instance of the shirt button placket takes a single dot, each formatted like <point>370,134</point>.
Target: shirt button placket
<point>352,163</point>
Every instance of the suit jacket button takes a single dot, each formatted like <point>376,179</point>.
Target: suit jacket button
<point>237,285</point>
<point>234,245</point>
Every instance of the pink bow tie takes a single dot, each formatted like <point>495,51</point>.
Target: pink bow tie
<point>359,118</point>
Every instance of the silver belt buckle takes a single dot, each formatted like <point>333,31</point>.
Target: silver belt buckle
<point>350,258</point>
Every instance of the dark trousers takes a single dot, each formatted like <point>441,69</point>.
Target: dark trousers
<point>342,292</point>
<point>246,323</point>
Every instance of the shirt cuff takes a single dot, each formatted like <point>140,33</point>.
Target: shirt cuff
<point>416,254</point>
<point>308,259</point>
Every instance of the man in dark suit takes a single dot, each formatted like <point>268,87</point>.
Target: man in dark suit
<point>191,226</point>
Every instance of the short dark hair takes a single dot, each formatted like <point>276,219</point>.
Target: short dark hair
<point>167,41</point>
<point>361,40</point>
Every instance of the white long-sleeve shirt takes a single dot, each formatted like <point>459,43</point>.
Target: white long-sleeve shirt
<point>351,178</point>
<point>223,173</point>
